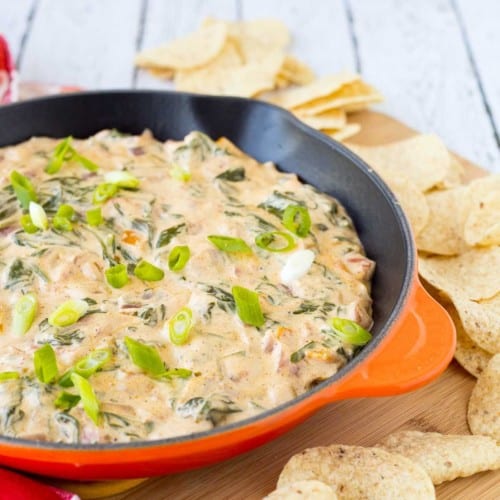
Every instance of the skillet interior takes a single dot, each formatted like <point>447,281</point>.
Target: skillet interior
<point>266,133</point>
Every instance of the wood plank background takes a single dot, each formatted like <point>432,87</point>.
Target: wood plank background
<point>436,61</point>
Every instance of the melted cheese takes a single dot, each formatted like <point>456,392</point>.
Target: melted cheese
<point>237,370</point>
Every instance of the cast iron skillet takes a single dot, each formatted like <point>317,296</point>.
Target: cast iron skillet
<point>266,133</point>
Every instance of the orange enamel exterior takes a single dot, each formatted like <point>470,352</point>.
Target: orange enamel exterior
<point>410,356</point>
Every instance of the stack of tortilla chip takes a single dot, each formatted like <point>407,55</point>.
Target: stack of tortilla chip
<point>324,103</point>
<point>250,59</point>
<point>229,58</point>
<point>457,231</point>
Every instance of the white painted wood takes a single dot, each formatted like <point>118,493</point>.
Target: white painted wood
<point>414,53</point>
<point>319,28</point>
<point>82,42</point>
<point>167,20</point>
<point>480,19</point>
<point>14,16</point>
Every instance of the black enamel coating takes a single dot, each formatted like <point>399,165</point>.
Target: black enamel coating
<point>268,134</point>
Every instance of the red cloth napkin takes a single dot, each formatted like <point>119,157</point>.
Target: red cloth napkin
<point>8,83</point>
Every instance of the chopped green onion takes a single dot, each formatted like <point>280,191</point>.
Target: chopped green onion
<point>122,178</point>
<point>117,276</point>
<point>248,306</point>
<point>23,188</point>
<point>146,357</point>
<point>297,265</point>
<point>62,223</point>
<point>88,397</point>
<point>38,216</point>
<point>66,400</point>
<point>180,325</point>
<point>4,376</point>
<point>62,152</point>
<point>24,313</point>
<point>68,313</point>
<point>178,257</point>
<point>27,224</point>
<point>85,162</point>
<point>147,272</point>
<point>94,216</point>
<point>176,373</point>
<point>179,173</point>
<point>66,211</point>
<point>349,331</point>
<point>86,366</point>
<point>275,241</point>
<point>104,192</point>
<point>45,364</point>
<point>297,220</point>
<point>229,244</point>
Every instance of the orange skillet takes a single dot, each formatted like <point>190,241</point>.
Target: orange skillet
<point>413,337</point>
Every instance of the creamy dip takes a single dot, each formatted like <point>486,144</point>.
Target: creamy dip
<point>187,191</point>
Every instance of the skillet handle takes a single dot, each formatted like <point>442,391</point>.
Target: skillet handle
<point>417,352</point>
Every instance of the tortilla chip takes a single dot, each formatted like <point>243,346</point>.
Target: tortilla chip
<point>467,353</point>
<point>481,320</point>
<point>335,119</point>
<point>454,176</point>
<point>303,490</point>
<point>484,405</point>
<point>164,74</point>
<point>319,88</point>
<point>482,226</point>
<point>360,472</point>
<point>470,275</point>
<point>345,132</point>
<point>422,159</point>
<point>444,457</point>
<point>191,51</point>
<point>352,96</point>
<point>412,201</point>
<point>443,233</point>
<point>296,72</point>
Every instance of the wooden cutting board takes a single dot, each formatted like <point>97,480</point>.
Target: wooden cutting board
<point>440,406</point>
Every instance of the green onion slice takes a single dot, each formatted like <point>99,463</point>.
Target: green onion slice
<point>62,152</point>
<point>23,188</point>
<point>146,357</point>
<point>4,376</point>
<point>180,325</point>
<point>179,173</point>
<point>275,241</point>
<point>148,272</point>
<point>88,397</point>
<point>68,313</point>
<point>117,276</point>
<point>45,364</point>
<point>104,192</point>
<point>176,373</point>
<point>94,216</point>
<point>66,400</point>
<point>178,257</point>
<point>38,216</point>
<point>229,244</point>
<point>122,178</point>
<point>349,331</point>
<point>62,223</point>
<point>85,162</point>
<point>27,224</point>
<point>24,313</point>
<point>296,219</point>
<point>86,366</point>
<point>248,306</point>
<point>66,211</point>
